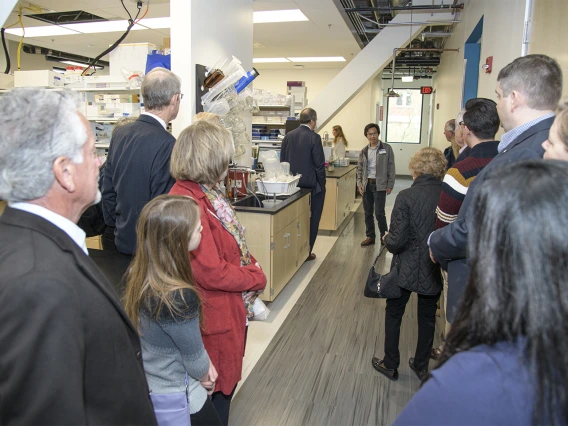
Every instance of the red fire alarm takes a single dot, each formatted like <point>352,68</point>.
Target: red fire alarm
<point>488,65</point>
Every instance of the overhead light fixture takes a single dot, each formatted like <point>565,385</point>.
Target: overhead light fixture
<point>268,60</point>
<point>298,67</point>
<point>43,31</point>
<point>91,27</point>
<point>267,16</point>
<point>319,59</point>
<point>392,94</point>
<point>407,78</point>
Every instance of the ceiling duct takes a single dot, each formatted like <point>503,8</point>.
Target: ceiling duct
<point>56,55</point>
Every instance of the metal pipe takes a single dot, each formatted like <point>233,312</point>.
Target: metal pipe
<point>389,8</point>
<point>527,26</point>
<point>397,49</point>
<point>401,24</point>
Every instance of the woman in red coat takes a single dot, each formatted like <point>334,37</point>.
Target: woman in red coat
<point>224,270</point>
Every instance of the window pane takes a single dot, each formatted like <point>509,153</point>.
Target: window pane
<point>404,118</point>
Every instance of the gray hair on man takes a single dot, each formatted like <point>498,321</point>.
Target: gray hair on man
<point>538,77</point>
<point>451,125</point>
<point>158,88</point>
<point>38,126</point>
<point>307,115</point>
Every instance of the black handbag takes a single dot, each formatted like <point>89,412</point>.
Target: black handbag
<point>382,286</point>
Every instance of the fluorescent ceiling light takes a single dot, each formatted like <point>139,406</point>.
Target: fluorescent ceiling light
<point>102,27</point>
<point>407,78</point>
<point>266,16</point>
<point>268,60</point>
<point>156,23</point>
<point>43,31</point>
<point>91,28</point>
<point>319,59</point>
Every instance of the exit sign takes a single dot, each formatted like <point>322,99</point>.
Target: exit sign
<point>426,90</point>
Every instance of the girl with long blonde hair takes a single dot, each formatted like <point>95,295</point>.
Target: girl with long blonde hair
<point>164,306</point>
<point>339,142</point>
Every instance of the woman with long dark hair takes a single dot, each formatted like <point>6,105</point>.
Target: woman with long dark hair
<point>505,359</point>
<point>164,305</point>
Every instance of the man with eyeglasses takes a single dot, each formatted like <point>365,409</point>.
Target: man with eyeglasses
<point>137,169</point>
<point>375,180</point>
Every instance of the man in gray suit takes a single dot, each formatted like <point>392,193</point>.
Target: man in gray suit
<point>302,148</point>
<point>69,353</point>
<point>528,91</point>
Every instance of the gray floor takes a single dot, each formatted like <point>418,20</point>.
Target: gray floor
<point>317,369</point>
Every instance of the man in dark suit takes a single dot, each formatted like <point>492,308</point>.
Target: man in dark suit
<point>69,353</point>
<point>137,169</point>
<point>528,91</point>
<point>302,148</point>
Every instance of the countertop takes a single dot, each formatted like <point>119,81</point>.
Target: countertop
<point>280,206</point>
<point>339,171</point>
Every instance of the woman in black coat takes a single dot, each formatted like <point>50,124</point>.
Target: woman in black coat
<point>413,219</point>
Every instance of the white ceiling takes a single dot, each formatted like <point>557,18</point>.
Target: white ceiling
<point>325,34</point>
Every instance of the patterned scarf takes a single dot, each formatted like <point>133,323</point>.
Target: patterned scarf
<point>228,218</point>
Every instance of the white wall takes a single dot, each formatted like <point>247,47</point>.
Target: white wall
<point>549,33</point>
<point>502,38</point>
<point>201,32</point>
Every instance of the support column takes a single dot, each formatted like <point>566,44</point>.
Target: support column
<point>201,31</point>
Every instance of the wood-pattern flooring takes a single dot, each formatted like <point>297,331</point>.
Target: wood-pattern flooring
<point>317,369</point>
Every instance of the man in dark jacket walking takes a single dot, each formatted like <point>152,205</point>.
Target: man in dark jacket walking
<point>375,180</point>
<point>302,148</point>
<point>528,91</point>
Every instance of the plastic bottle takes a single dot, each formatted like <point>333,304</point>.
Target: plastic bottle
<point>245,81</point>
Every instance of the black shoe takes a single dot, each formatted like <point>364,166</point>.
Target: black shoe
<point>422,374</point>
<point>391,374</point>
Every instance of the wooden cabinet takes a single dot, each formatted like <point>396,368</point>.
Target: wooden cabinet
<point>339,200</point>
<point>280,242</point>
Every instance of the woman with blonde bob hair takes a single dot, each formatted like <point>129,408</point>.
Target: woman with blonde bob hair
<point>413,219</point>
<point>163,304</point>
<point>224,270</point>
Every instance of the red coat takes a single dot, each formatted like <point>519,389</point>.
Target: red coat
<point>221,280</point>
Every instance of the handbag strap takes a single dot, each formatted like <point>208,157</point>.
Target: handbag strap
<point>380,254</point>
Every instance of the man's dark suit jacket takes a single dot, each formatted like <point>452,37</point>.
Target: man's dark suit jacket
<point>70,355</point>
<point>302,148</point>
<point>136,171</point>
<point>449,244</point>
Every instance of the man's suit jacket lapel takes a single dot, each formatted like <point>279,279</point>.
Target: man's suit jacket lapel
<point>24,219</point>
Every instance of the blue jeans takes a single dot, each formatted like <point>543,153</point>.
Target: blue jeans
<point>374,202</point>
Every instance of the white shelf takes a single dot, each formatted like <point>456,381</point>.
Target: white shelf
<point>275,106</point>
<point>104,89</point>
<point>262,123</point>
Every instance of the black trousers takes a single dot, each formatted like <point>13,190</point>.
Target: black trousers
<point>426,327</point>
<point>222,405</point>
<point>207,416</point>
<point>315,216</point>
<point>374,203</point>
<point>107,239</point>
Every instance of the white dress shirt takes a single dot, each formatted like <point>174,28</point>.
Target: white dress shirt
<point>74,232</point>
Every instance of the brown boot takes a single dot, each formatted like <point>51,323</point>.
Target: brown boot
<point>368,242</point>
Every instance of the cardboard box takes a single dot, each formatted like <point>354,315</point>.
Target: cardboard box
<point>38,78</point>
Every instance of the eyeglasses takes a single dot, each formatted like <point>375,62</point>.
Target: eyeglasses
<point>372,134</point>
<point>461,123</point>
<point>180,96</point>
